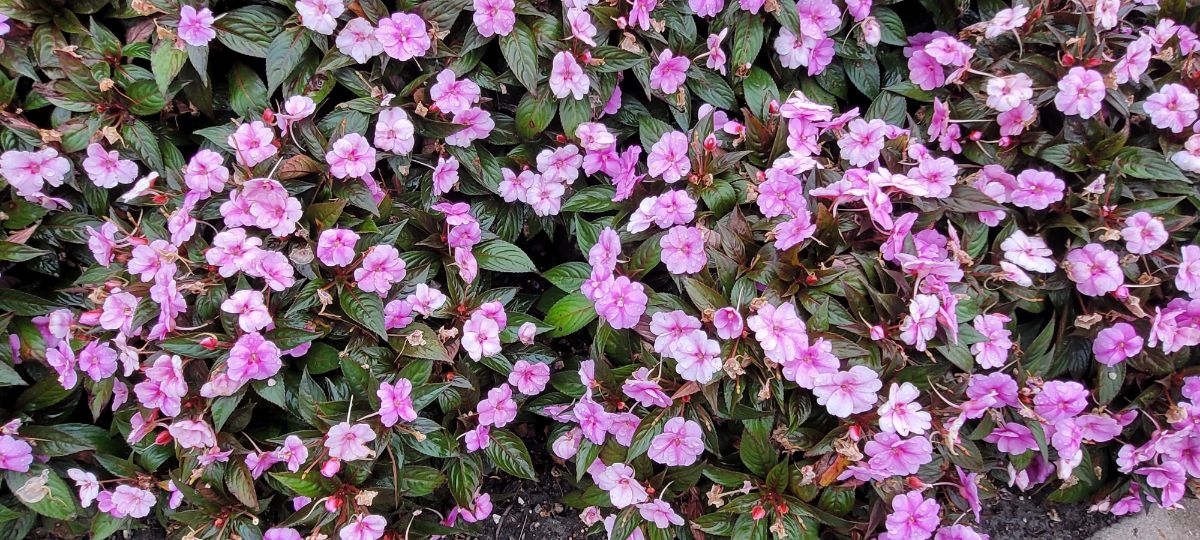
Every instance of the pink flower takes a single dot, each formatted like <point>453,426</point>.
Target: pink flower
<point>582,28</point>
<point>1115,344</point>
<point>1028,252</point>
<point>680,443</point>
<point>848,392</point>
<point>481,337</point>
<point>253,357</point>
<point>452,95</point>
<point>567,78</point>
<point>249,307</point>
<point>728,323</point>
<point>276,533</point>
<point>403,36</point>
<point>913,517</point>
<point>895,456</point>
<point>863,141</point>
<point>1095,270</point>
<point>445,175</point>
<point>1173,107</point>
<point>1133,64</point>
<point>102,242</point>
<point>567,444</point>
<point>593,420</point>
<point>349,442</point>
<point>683,250</point>
<point>192,434</point>
<point>481,508</point>
<point>901,413</point>
<point>1188,278</point>
<point>1012,438</point>
<point>697,358</point>
<point>62,360</point>
<point>494,17</point>
<point>526,332</point>
<point>499,408</point>
<point>645,391</point>
<point>668,157</point>
<point>623,489</point>
<point>394,131</point>
<point>28,172</point>
<point>206,173</point>
<point>117,311</point>
<point>351,157</point>
<point>622,303</point>
<point>395,402</point>
<point>716,56</point>
<point>670,73</point>
<point>706,8</point>
<point>780,332</point>
<point>1013,122</point>
<point>320,16</point>
<point>253,143</point>
<point>1080,93</point>
<point>479,125</point>
<point>357,40</point>
<point>993,352</point>
<point>293,452</point>
<point>15,454</point>
<point>1143,233</point>
<point>925,71</point>
<point>560,165</point>
<point>529,378</point>
<point>131,501</point>
<point>107,169</point>
<point>660,513</point>
<point>920,324</point>
<point>196,26</point>
<point>1060,400</point>
<point>363,527</point>
<point>381,268</point>
<point>335,247</point>
<point>1006,20</point>
<point>89,487</point>
<point>477,439</point>
<point>669,327</point>
<point>397,314</point>
<point>1037,189</point>
<point>425,299</point>
<point>98,360</point>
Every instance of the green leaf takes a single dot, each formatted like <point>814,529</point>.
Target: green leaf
<point>429,349</point>
<point>240,483</point>
<point>247,93</point>
<point>892,28</point>
<point>572,112</point>
<point>24,304</point>
<point>9,376</point>
<point>310,484</point>
<point>756,450</point>
<point>500,256</point>
<point>1147,164</point>
<point>569,314</point>
<point>615,59</point>
<point>592,199</point>
<point>535,111</point>
<point>249,30</point>
<point>712,88</point>
<point>747,40</point>
<point>520,52</point>
<point>865,76</point>
<point>165,63</point>
<point>510,455</point>
<point>888,107</point>
<point>14,252</point>
<point>569,276</point>
<point>363,308</point>
<point>760,90</point>
<point>58,503</point>
<point>284,54</point>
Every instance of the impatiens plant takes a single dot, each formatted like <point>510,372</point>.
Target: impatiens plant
<point>753,269</point>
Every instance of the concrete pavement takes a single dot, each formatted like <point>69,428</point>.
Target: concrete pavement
<point>1157,524</point>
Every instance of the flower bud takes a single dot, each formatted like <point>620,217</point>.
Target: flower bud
<point>330,468</point>
<point>332,504</point>
<point>1122,293</point>
<point>758,512</point>
<point>526,332</point>
<point>872,31</point>
<point>878,332</point>
<point>1006,141</point>
<point>976,135</point>
<point>710,142</point>
<point>163,438</point>
<point>268,116</point>
<point>1068,60</point>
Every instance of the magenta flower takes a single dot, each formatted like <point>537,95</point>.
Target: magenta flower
<point>646,392</point>
<point>1012,438</point>
<point>848,392</point>
<point>1143,233</point>
<point>668,157</point>
<point>1080,93</point>
<point>404,36</point>
<point>357,40</point>
<point>567,78</point>
<point>394,131</point>
<point>925,71</point>
<point>593,420</point>
<point>395,402</point>
<point>670,73</point>
<point>913,517</point>
<point>728,323</point>
<point>15,454</point>
<point>196,26</point>
<point>623,489</point>
<point>335,247</point>
<point>1188,278</point>
<point>129,501</point>
<point>452,95</point>
<point>1095,270</point>
<point>276,533</point>
<point>349,442</point>
<point>1173,107</point>
<point>253,143</point>
<point>98,360</point>
<point>253,357</point>
<point>680,443</point>
<point>863,141</point>
<point>683,250</point>
<point>477,439</point>
<point>660,513</point>
<point>1060,400</point>
<point>1115,344</point>
<point>494,17</point>
<point>529,378</point>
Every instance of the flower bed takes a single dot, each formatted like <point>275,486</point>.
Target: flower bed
<point>746,269</point>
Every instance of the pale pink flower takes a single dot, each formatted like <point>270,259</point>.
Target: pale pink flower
<point>404,36</point>
<point>580,22</point>
<point>697,358</point>
<point>716,55</point>
<point>452,95</point>
<point>335,247</point>
<point>381,268</point>
<point>623,489</point>
<point>992,352</point>
<point>526,332</point>
<point>395,402</point>
<point>253,357</point>
<point>248,305</point>
<point>1028,252</point>
<point>892,455</point>
<point>192,434</point>
<point>920,324</point>
<point>363,527</point>
<point>481,337</point>
<point>293,452</point>
<point>98,360</point>
<point>567,78</point>
<point>1173,107</point>
<point>848,392</point>
<point>660,513</point>
<point>728,323</point>
<point>357,40</point>
<point>680,443</point>
<point>499,408</point>
<point>1080,93</point>
<point>253,143</point>
<point>1133,64</point>
<point>1188,278</point>
<point>320,16</point>
<point>425,299</point>
<point>1095,270</point>
<point>529,378</point>
<point>107,169</point>
<point>647,392</point>
<point>670,73</point>
<point>196,26</point>
<point>445,175</point>
<point>1143,233</point>
<point>349,442</point>
<point>1117,343</point>
<point>131,501</point>
<point>394,131</point>
<point>901,413</point>
<point>117,311</point>
<point>668,157</point>
<point>706,8</point>
<point>351,157</point>
<point>683,250</point>
<point>494,17</point>
<point>479,125</point>
<point>1006,20</point>
<point>622,302</point>
<point>913,517</point>
<point>29,172</point>
<point>15,454</point>
<point>86,482</point>
<point>1037,189</point>
<point>1006,93</point>
<point>863,141</point>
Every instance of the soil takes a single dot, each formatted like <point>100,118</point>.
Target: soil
<point>1018,516</point>
<point>534,511</point>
